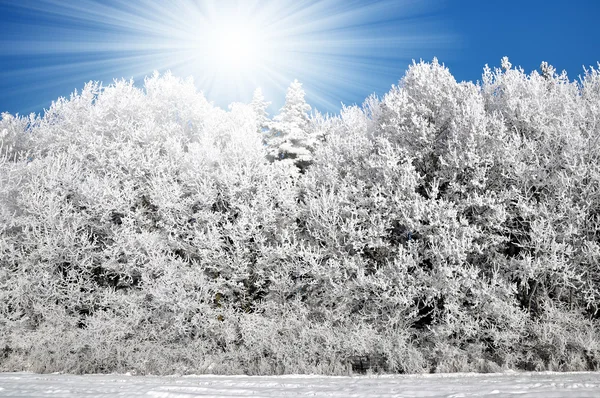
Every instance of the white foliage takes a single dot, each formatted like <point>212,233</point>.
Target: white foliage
<point>446,227</point>
<point>290,136</point>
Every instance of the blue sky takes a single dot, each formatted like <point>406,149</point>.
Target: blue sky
<point>341,50</point>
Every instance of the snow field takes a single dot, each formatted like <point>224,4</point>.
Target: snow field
<point>538,385</point>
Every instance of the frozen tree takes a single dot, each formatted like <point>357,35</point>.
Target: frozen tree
<point>290,137</point>
<point>505,64</point>
<point>548,71</point>
<point>445,227</point>
<point>150,196</point>
<point>259,105</point>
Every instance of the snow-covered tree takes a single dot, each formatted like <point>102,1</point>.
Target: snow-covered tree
<point>446,227</point>
<point>290,137</point>
<point>259,105</point>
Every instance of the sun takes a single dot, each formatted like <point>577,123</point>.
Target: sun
<point>236,47</point>
<point>338,48</point>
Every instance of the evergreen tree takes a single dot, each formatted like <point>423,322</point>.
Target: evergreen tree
<point>289,137</point>
<point>259,105</point>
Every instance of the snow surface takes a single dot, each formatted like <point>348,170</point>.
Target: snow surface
<point>547,385</point>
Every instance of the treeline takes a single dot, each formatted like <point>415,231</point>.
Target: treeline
<point>444,227</point>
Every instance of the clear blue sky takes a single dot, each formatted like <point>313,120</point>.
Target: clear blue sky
<point>341,50</point>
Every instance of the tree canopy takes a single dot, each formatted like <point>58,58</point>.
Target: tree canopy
<point>443,227</point>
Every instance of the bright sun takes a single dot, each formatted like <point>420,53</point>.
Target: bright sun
<point>339,48</point>
<point>236,47</point>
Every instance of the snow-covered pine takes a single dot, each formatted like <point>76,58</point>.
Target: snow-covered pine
<point>259,105</point>
<point>289,133</point>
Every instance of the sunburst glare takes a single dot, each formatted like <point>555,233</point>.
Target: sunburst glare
<point>341,50</point>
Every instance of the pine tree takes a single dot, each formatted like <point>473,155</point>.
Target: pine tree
<point>259,105</point>
<point>289,136</point>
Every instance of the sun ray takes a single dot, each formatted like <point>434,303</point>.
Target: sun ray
<point>339,49</point>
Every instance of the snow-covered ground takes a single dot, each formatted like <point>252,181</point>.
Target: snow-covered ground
<point>545,385</point>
